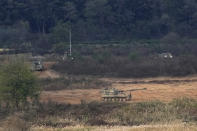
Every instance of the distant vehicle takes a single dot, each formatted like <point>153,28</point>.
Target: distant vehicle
<point>112,94</point>
<point>166,55</point>
<point>37,65</point>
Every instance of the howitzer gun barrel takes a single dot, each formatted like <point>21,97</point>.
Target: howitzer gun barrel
<point>136,89</point>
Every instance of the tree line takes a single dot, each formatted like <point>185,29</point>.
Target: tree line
<point>44,22</point>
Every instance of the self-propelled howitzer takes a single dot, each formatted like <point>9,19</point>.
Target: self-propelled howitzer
<point>113,94</point>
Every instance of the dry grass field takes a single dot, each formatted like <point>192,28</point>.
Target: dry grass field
<point>165,127</point>
<point>173,127</point>
<point>161,88</point>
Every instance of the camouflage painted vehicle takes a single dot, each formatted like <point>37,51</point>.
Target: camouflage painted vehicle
<point>112,94</point>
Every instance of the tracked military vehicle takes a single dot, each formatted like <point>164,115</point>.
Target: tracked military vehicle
<point>112,94</point>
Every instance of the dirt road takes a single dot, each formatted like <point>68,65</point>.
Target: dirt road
<point>162,88</point>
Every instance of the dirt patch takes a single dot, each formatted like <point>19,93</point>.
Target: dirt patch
<point>72,96</point>
<point>48,74</point>
<point>164,89</point>
<point>48,65</point>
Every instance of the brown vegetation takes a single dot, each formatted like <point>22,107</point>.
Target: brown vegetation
<point>15,122</point>
<point>72,83</point>
<point>131,60</point>
<point>162,127</point>
<point>162,88</point>
<point>54,115</point>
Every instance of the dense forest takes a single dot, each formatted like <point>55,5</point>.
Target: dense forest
<point>44,23</point>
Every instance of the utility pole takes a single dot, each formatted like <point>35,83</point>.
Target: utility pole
<point>70,38</point>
